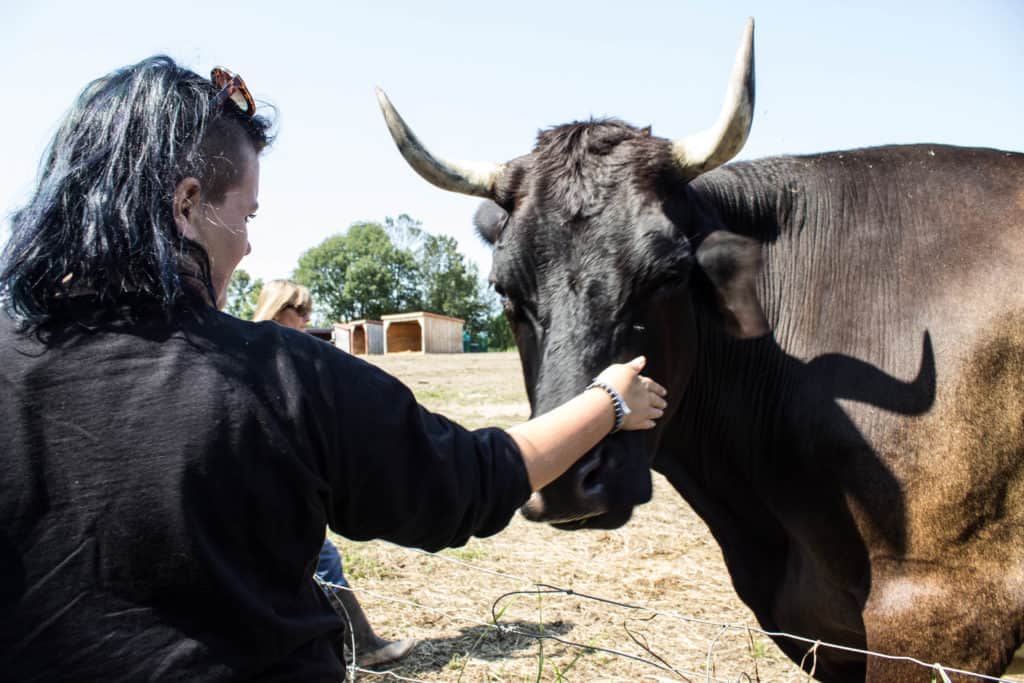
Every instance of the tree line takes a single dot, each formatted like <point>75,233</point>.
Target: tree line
<point>393,266</point>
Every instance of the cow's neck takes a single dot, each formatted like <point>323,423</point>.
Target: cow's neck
<point>731,439</point>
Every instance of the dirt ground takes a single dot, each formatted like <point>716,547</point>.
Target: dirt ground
<point>685,623</point>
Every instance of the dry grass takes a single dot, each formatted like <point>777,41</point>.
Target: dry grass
<point>664,559</point>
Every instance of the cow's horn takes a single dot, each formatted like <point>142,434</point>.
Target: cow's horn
<point>465,177</point>
<point>716,145</point>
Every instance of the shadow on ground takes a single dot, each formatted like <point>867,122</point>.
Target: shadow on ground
<point>476,642</point>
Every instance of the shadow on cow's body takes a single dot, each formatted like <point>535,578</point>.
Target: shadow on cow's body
<point>842,337</point>
<point>776,498</point>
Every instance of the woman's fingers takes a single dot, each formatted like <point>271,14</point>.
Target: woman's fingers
<point>654,386</point>
<point>657,394</point>
<point>638,363</point>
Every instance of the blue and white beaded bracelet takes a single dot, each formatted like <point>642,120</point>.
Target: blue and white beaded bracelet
<point>619,405</point>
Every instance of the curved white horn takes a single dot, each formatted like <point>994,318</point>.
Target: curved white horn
<point>716,145</point>
<point>465,177</point>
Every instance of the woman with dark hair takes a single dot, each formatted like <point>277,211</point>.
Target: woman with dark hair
<point>125,168</point>
<point>168,470</point>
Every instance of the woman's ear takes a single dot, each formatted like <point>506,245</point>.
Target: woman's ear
<point>186,207</point>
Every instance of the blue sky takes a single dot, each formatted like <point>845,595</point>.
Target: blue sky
<point>477,81</point>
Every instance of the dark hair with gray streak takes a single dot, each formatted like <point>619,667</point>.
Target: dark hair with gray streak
<point>100,222</point>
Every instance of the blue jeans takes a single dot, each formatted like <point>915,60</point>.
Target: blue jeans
<point>328,565</point>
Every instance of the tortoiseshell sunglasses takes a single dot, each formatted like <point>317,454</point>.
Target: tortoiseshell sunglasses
<point>231,85</point>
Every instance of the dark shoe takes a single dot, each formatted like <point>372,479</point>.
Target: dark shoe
<point>371,649</point>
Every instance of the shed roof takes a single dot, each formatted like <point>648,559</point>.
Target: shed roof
<point>398,317</point>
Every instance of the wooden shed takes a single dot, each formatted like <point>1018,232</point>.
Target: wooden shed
<point>342,337</point>
<point>367,336</point>
<point>422,332</point>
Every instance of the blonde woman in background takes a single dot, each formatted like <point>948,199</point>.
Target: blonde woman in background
<point>291,305</point>
<point>286,303</point>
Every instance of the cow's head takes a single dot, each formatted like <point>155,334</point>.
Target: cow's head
<point>595,239</point>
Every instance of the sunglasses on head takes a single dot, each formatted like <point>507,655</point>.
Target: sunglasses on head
<point>231,86</point>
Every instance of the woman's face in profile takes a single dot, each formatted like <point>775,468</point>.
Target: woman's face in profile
<point>222,227</point>
<point>290,317</point>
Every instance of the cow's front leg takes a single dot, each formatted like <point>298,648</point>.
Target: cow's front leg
<point>959,617</point>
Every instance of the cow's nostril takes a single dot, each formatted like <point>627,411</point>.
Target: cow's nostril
<point>588,483</point>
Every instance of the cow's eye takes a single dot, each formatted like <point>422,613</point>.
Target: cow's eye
<point>638,335</point>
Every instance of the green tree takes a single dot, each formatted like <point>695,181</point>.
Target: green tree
<point>322,269</point>
<point>499,333</point>
<point>393,267</point>
<point>451,286</point>
<point>405,232</point>
<point>359,274</point>
<point>243,292</point>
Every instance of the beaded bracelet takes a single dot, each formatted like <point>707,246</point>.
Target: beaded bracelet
<point>620,407</point>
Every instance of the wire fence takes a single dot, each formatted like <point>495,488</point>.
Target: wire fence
<point>939,672</point>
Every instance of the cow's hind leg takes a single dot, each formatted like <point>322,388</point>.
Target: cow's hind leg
<point>962,619</point>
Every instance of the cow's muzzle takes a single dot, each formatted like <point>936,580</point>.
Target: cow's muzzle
<point>599,491</point>
<point>577,494</point>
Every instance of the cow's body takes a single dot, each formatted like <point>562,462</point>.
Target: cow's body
<point>842,337</point>
<point>863,466</point>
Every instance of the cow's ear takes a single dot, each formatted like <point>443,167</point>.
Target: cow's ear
<point>490,220</point>
<point>732,264</point>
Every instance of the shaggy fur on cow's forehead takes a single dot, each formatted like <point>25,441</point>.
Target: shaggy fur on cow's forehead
<point>572,141</point>
<point>582,163</point>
